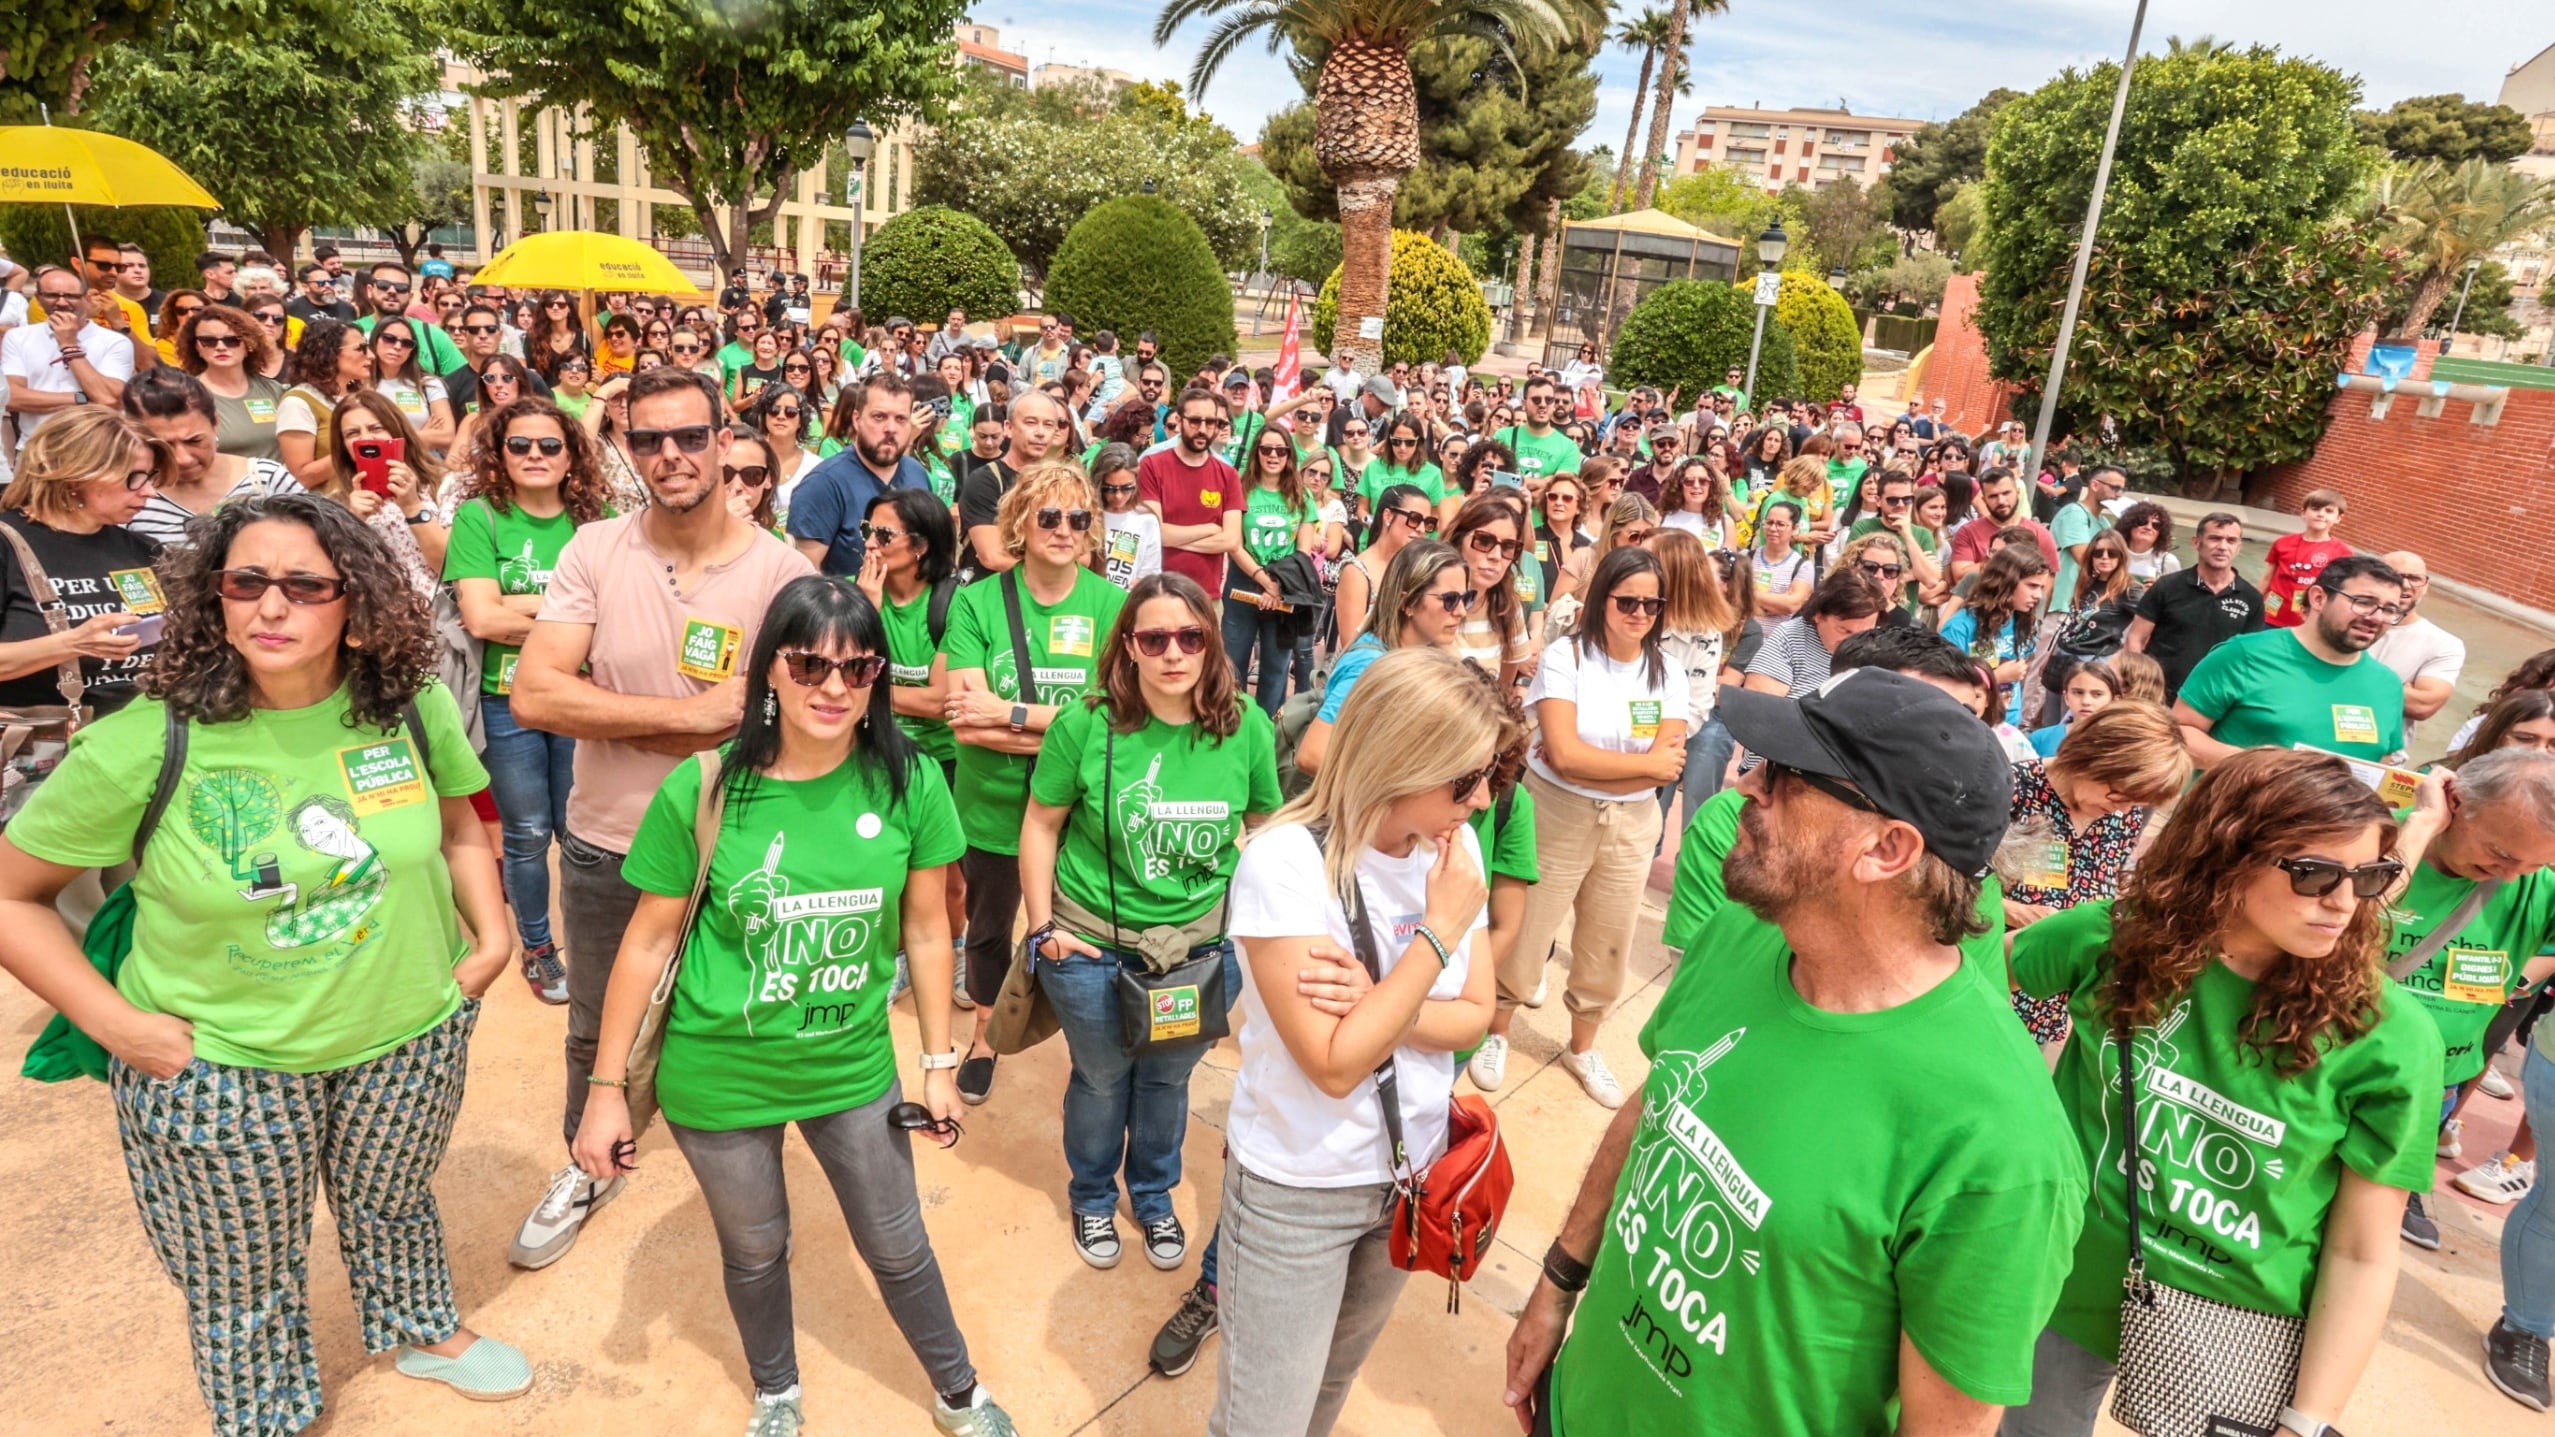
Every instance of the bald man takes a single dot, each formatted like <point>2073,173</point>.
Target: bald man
<point>2427,657</point>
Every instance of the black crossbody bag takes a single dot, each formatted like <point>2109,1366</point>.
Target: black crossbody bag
<point>1181,1006</point>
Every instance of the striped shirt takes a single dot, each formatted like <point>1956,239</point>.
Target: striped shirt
<point>164,519</point>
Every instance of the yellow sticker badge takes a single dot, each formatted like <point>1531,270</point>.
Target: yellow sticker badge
<point>2045,864</point>
<point>139,589</point>
<point>1645,718</point>
<point>2355,723</point>
<point>709,650</point>
<point>382,776</point>
<point>1069,636</point>
<point>2477,975</point>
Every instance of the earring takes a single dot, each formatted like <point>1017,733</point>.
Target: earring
<point>354,642</point>
<point>771,704</point>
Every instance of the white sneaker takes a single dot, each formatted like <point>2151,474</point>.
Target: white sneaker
<point>2449,1145</point>
<point>1543,989</point>
<point>552,1228</point>
<point>1591,1071</point>
<point>2495,1085</point>
<point>1489,1067</point>
<point>2502,1179</point>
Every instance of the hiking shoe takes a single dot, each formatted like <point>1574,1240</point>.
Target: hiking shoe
<point>976,1081</point>
<point>2515,1361</point>
<point>545,974</point>
<point>979,1418</point>
<point>1591,1071</point>
<point>1095,1237</point>
<point>1489,1067</point>
<point>2499,1179</point>
<point>2419,1229</point>
<point>1166,1244</point>
<point>486,1371</point>
<point>2449,1145</point>
<point>552,1228</point>
<point>2495,1085</point>
<point>776,1414</point>
<point>1175,1347</point>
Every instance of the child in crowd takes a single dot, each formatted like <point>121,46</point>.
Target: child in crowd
<point>2296,559</point>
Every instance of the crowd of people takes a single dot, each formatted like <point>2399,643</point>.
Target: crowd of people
<point>727,673</point>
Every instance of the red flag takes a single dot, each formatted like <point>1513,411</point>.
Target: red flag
<point>1289,366</point>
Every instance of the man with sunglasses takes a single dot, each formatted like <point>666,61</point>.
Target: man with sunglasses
<point>1542,450</point>
<point>1737,1286</point>
<point>738,352</point>
<point>635,656</point>
<point>318,298</point>
<point>828,507</point>
<point>1191,490</point>
<point>64,359</point>
<point>387,289</point>
<point>481,330</point>
<point>2314,686</point>
<point>1034,427</point>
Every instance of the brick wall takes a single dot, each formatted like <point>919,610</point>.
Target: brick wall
<point>1957,368</point>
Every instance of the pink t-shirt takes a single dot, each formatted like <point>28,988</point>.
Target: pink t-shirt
<point>653,641</point>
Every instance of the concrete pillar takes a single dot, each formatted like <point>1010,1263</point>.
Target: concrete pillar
<point>510,135</point>
<point>585,213</point>
<point>478,167</point>
<point>545,164</point>
<point>811,230</point>
<point>634,212</point>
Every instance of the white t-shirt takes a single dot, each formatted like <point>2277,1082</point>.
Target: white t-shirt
<point>1708,530</point>
<point>2420,649</point>
<point>2147,568</point>
<point>1620,709</point>
<point>30,354</point>
<point>1282,1127</point>
<point>807,462</point>
<point>415,401</point>
<point>1134,546</point>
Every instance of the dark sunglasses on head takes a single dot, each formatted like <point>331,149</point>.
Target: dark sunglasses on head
<point>2316,877</point>
<point>808,670</point>
<point>1482,541</point>
<point>522,444</point>
<point>754,474</point>
<point>1152,642</point>
<point>1632,604</point>
<point>690,438</point>
<point>1078,519</point>
<point>247,586</point>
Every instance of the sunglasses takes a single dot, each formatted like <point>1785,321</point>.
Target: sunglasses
<point>1461,786</point>
<point>687,349</point>
<point>387,341</point>
<point>808,670</point>
<point>1455,601</point>
<point>269,316</point>
<point>2316,877</point>
<point>753,474</point>
<point>776,412</point>
<point>797,367</point>
<point>1113,491</point>
<point>1078,519</point>
<point>1881,571</point>
<point>1402,441</point>
<point>691,439</point>
<point>881,534</point>
<point>1419,519</point>
<point>1481,541</point>
<point>220,341</point>
<point>1153,642</point>
<point>390,286</point>
<point>522,444</point>
<point>248,586</point>
<point>556,304</point>
<point>1630,605</point>
<point>1274,451</point>
<point>1843,793</point>
<point>1635,537</point>
<point>476,328</point>
<point>915,1118</point>
<point>1353,431</point>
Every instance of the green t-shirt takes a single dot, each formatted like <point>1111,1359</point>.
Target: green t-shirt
<point>1175,818</point>
<point>1380,476</point>
<point>910,652</point>
<point>780,1008</point>
<point>2466,983</point>
<point>1268,526</point>
<point>1064,643</point>
<point>1741,1286</point>
<point>1871,524</point>
<point>1508,849</point>
<point>1843,475</point>
<point>1552,453</point>
<point>733,357</point>
<point>2243,1161</point>
<point>2268,688</point>
<point>293,904</point>
<point>531,547</point>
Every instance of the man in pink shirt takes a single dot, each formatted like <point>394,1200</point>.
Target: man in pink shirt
<point>635,656</point>
<point>2000,502</point>
<point>1190,490</point>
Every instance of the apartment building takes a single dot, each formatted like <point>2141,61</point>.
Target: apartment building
<point>981,46</point>
<point>1813,148</point>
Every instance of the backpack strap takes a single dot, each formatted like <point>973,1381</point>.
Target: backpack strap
<point>936,617</point>
<point>164,786</point>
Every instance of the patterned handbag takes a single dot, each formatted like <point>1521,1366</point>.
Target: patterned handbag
<point>648,1044</point>
<point>2190,1367</point>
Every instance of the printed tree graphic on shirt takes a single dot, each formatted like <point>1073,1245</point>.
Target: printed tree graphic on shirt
<point>515,575</point>
<point>231,811</point>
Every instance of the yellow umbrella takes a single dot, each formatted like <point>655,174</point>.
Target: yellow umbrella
<point>584,260</point>
<point>54,166</point>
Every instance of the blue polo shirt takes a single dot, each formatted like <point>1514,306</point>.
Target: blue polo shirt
<point>830,503</point>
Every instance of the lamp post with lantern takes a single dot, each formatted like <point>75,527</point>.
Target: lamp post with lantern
<point>1770,248</point>
<point>858,145</point>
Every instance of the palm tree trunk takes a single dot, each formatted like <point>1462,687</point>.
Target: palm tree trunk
<point>1632,132</point>
<point>1672,68</point>
<point>1365,137</point>
<point>1366,266</point>
<point>1521,296</point>
<point>2428,295</point>
<point>1550,298</point>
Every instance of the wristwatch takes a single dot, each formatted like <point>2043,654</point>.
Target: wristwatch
<point>1020,718</point>
<point>425,513</point>
<point>2305,1426</point>
<point>935,1062</point>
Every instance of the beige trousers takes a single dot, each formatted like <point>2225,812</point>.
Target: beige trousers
<point>1594,855</point>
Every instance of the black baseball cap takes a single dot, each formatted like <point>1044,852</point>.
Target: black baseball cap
<point>1909,747</point>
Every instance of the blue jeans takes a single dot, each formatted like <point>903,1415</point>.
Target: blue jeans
<point>1246,627</point>
<point>528,774</point>
<point>1121,1113</point>
<point>2528,1237</point>
<point>1707,758</point>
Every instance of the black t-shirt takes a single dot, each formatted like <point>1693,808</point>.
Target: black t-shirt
<point>462,387</point>
<point>1555,554</point>
<point>301,308</point>
<point>2190,621</point>
<point>981,485</point>
<point>101,573</point>
<point>754,376</point>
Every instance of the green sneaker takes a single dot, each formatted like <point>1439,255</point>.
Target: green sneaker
<point>775,1416</point>
<point>486,1371</point>
<point>979,1418</point>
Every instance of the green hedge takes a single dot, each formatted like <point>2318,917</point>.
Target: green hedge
<point>1686,333</point>
<point>1432,304</point>
<point>36,234</point>
<point>1139,263</point>
<point>926,262</point>
<point>1825,335</point>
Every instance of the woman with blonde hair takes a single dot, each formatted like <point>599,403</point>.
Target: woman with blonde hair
<point>1803,480</point>
<point>1378,858</point>
<point>80,479</point>
<point>1049,521</point>
<point>230,354</point>
<point>1698,628</point>
<point>1627,519</point>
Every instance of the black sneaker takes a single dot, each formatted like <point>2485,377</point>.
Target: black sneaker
<point>2514,1360</point>
<point>1175,1347</point>
<point>1166,1245</point>
<point>2419,1229</point>
<point>1095,1237</point>
<point>976,1081</point>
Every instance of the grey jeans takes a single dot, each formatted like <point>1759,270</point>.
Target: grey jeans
<point>595,904</point>
<point>2068,1384</point>
<point>871,1168</point>
<point>1304,1283</point>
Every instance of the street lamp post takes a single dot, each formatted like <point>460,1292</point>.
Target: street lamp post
<point>541,208</point>
<point>2462,292</point>
<point>1770,247</point>
<point>858,143</point>
<point>1266,217</point>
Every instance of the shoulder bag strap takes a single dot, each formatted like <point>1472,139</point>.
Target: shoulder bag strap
<point>164,786</point>
<point>2421,954</point>
<point>48,602</point>
<point>1108,827</point>
<point>707,809</point>
<point>1387,1087</point>
<point>1025,687</point>
<point>936,613</point>
<point>2137,1273</point>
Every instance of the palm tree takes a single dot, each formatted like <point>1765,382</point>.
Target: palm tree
<point>2442,216</point>
<point>1365,107</point>
<point>1672,78</point>
<point>1648,33</point>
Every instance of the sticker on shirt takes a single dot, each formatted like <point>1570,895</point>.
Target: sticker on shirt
<point>139,589</point>
<point>1211,498</point>
<point>810,954</point>
<point>2045,864</point>
<point>909,676</point>
<point>383,776</point>
<point>2477,975</point>
<point>506,674</point>
<point>1645,718</point>
<point>1691,1213</point>
<point>240,815</point>
<point>1069,636</point>
<point>261,410</point>
<point>709,650</point>
<point>2355,723</point>
<point>1162,836</point>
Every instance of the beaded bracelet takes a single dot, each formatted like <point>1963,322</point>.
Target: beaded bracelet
<point>1444,959</point>
<point>622,1083</point>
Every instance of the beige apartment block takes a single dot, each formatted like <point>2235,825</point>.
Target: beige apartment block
<point>1811,148</point>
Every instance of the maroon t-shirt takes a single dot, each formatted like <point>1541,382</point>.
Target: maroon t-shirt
<point>1975,540</point>
<point>1186,495</point>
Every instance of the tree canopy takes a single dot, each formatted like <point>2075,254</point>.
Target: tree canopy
<point>2449,128</point>
<point>1931,164</point>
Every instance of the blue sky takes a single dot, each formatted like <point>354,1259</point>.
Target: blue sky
<point>1879,61</point>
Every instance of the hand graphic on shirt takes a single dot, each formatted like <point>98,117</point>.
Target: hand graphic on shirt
<point>753,897</point>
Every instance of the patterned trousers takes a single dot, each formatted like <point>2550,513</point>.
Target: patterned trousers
<point>225,1162</point>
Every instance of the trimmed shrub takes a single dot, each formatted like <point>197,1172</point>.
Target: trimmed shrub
<point>1826,338</point>
<point>926,262</point>
<point>1432,304</point>
<point>1689,331</point>
<point>36,235</point>
<point>1139,263</point>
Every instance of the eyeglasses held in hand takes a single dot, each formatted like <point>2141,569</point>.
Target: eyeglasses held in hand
<point>808,670</point>
<point>915,1118</point>
<point>248,586</point>
<point>2316,877</point>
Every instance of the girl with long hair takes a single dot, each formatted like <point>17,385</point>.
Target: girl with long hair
<point>1996,624</point>
<point>1402,516</point>
<point>2105,577</point>
<point>746,1053</point>
<point>1406,460</point>
<point>2522,718</point>
<point>2537,671</point>
<point>531,482</point>
<point>2242,960</point>
<point>1767,450</point>
<point>1779,573</point>
<point>1421,598</point>
<point>1691,503</point>
<point>747,468</point>
<point>1276,518</point>
<point>367,417</point>
<point>1628,521</point>
<point>176,309</point>
<point>1697,628</point>
<point>419,396</point>
<point>1499,633</point>
<point>1557,536</point>
<point>230,353</point>
<point>784,418</point>
<point>554,334</point>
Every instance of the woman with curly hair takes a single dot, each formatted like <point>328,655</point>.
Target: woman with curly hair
<point>2537,671</point>
<point>229,353</point>
<point>2148,530</point>
<point>297,1007</point>
<point>2240,969</point>
<point>330,359</point>
<point>532,481</point>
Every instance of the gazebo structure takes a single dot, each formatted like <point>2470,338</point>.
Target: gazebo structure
<point>1609,265</point>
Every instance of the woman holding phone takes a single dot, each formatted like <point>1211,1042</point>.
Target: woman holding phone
<point>81,480</point>
<point>370,447</point>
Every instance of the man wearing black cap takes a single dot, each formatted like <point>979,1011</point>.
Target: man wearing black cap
<point>1746,1280</point>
